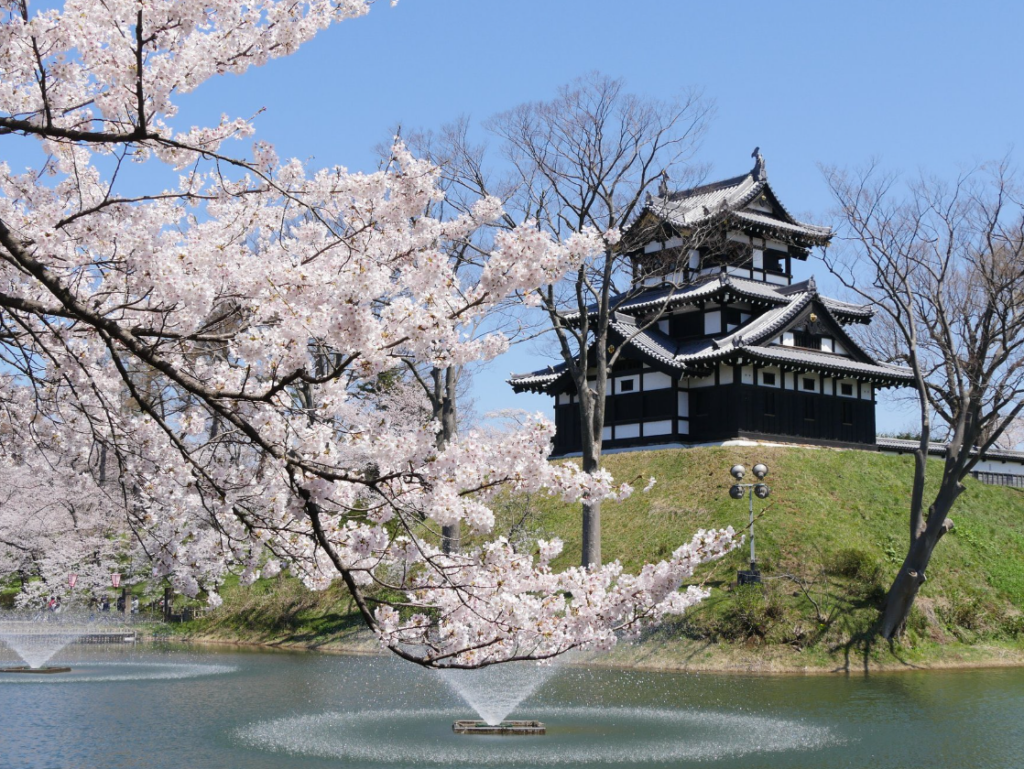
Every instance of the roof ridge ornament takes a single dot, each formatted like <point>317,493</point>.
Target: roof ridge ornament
<point>812,285</point>
<point>663,185</point>
<point>760,173</point>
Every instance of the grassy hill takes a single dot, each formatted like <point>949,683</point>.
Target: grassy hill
<point>829,542</point>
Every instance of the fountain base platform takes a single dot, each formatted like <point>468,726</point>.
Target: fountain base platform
<point>43,670</point>
<point>505,727</point>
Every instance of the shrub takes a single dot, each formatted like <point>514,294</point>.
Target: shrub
<point>1013,626</point>
<point>751,614</point>
<point>853,563</point>
<point>963,612</point>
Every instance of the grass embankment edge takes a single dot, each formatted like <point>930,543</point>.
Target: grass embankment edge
<point>829,544</point>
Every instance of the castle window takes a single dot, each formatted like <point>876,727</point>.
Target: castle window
<point>768,378</point>
<point>775,261</point>
<point>809,384</point>
<point>686,325</point>
<point>845,388</point>
<point>626,385</point>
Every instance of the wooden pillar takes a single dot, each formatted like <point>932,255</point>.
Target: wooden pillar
<point>168,599</point>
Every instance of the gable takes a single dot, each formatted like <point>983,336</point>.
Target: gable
<point>810,329</point>
<point>767,203</point>
<point>646,228</point>
<point>764,203</point>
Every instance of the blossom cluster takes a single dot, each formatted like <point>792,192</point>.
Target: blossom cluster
<point>62,530</point>
<point>511,606</point>
<point>234,342</point>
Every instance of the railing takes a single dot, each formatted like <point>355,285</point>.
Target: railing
<point>999,479</point>
<point>806,341</point>
<point>187,614</point>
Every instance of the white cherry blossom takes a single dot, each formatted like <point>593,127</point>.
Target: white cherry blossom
<point>230,340</point>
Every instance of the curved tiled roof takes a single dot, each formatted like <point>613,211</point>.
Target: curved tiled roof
<point>709,203</point>
<point>769,222</point>
<point>756,288</point>
<point>669,296</point>
<point>848,310</point>
<point>533,381</point>
<point>817,361</point>
<point>690,207</point>
<point>751,341</point>
<point>652,343</point>
<point>769,324</point>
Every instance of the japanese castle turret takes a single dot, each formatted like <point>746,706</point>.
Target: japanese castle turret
<point>717,341</point>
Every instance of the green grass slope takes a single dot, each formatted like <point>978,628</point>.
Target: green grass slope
<point>829,541</point>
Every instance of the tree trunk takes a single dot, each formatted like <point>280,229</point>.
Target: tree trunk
<point>450,536</point>
<point>445,411</point>
<point>591,533</point>
<point>591,512</point>
<point>592,410</point>
<point>900,598</point>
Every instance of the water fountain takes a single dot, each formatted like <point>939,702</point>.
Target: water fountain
<point>37,638</point>
<point>494,692</point>
<point>105,651</point>
<point>595,718</point>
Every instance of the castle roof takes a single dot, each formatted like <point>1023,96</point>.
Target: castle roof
<point>724,288</point>
<point>752,342</point>
<point>745,202</point>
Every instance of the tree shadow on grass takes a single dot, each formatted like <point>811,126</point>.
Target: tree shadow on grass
<point>300,622</point>
<point>318,631</point>
<point>857,651</point>
<point>650,642</point>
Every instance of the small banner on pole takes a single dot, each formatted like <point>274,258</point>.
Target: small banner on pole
<point>115,579</point>
<point>72,579</point>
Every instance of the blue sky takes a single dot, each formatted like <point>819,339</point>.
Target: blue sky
<point>931,86</point>
<point>923,86</point>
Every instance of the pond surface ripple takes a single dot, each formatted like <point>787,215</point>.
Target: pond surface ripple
<point>575,736</point>
<point>163,708</point>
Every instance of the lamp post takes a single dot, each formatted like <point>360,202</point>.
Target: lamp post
<point>761,491</point>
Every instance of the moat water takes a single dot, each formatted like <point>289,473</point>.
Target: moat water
<point>153,708</point>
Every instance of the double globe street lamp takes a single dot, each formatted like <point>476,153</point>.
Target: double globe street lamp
<point>761,491</point>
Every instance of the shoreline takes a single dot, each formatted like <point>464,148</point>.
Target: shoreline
<point>723,661</point>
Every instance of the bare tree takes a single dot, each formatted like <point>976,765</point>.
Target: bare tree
<point>588,159</point>
<point>1013,434</point>
<point>460,163</point>
<point>944,264</point>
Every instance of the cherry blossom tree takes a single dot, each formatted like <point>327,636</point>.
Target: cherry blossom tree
<point>224,341</point>
<point>55,522</point>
